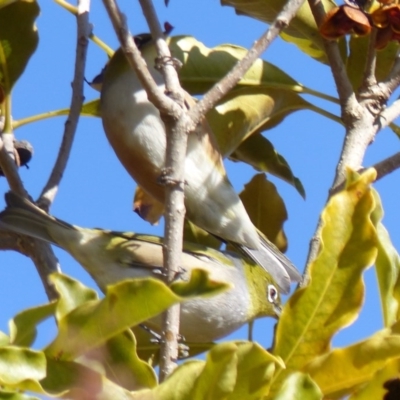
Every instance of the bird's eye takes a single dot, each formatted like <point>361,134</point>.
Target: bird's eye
<point>272,294</point>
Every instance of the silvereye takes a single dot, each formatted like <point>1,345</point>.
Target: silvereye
<point>112,256</point>
<point>137,134</point>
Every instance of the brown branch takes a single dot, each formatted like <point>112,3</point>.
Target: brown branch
<point>178,126</point>
<point>344,88</point>
<point>38,251</point>
<point>369,78</point>
<point>389,114</point>
<point>165,104</point>
<point>359,118</point>
<point>8,165</point>
<point>83,31</point>
<point>387,166</point>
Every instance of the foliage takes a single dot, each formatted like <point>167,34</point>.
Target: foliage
<point>101,351</point>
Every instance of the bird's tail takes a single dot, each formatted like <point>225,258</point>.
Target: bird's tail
<point>23,217</point>
<point>275,262</point>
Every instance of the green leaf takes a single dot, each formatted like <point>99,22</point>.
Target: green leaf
<point>5,395</point>
<point>259,152</point>
<point>122,364</point>
<point>334,296</point>
<point>266,209</point>
<point>374,387</point>
<point>387,268</point>
<point>218,377</point>
<point>18,365</point>
<point>255,368</point>
<point>94,322</point>
<point>202,67</point>
<point>72,380</point>
<point>18,40</point>
<point>299,386</point>
<point>199,285</point>
<point>302,30</point>
<point>90,109</point>
<point>245,111</point>
<point>194,234</point>
<point>356,62</point>
<point>341,371</point>
<point>4,339</point>
<point>23,326</point>
<point>72,294</point>
<point>232,371</point>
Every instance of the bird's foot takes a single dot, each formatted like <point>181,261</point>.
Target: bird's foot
<point>165,179</point>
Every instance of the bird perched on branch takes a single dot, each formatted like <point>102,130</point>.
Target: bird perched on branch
<point>137,134</point>
<point>113,256</point>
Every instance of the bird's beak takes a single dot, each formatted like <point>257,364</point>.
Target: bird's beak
<point>278,310</point>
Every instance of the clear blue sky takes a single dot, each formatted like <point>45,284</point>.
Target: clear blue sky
<point>97,192</point>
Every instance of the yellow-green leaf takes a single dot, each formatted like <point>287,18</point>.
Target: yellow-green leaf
<point>341,371</point>
<point>335,293</point>
<point>232,371</point>
<point>5,395</point>
<point>73,380</point>
<point>90,109</point>
<point>374,389</point>
<point>23,326</point>
<point>255,368</point>
<point>202,66</point>
<point>193,234</point>
<point>387,268</point>
<point>245,111</point>
<point>125,304</point>
<point>302,30</point>
<point>18,40</point>
<point>259,152</point>
<point>218,377</point>
<point>266,209</point>
<point>358,46</point>
<point>18,365</point>
<point>122,365</point>
<point>72,294</point>
<point>299,386</point>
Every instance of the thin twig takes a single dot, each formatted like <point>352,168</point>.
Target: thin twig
<point>175,155</point>
<point>165,104</point>
<point>344,88</point>
<point>83,31</point>
<point>7,163</point>
<point>221,88</point>
<point>369,79</point>
<point>387,166</point>
<point>176,135</point>
<point>389,114</point>
<point>361,124</point>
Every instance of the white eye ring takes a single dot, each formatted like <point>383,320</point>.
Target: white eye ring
<point>272,294</point>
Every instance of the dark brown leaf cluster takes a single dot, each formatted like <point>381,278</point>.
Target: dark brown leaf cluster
<point>347,19</point>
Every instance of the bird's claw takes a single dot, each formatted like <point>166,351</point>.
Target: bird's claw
<point>168,60</point>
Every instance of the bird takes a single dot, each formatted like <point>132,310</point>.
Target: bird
<point>137,135</point>
<point>110,257</point>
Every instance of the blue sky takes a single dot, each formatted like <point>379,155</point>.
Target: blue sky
<point>97,192</point>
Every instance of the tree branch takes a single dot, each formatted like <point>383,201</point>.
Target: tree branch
<point>181,123</point>
<point>173,115</point>
<point>83,32</point>
<point>387,166</point>
<point>359,118</point>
